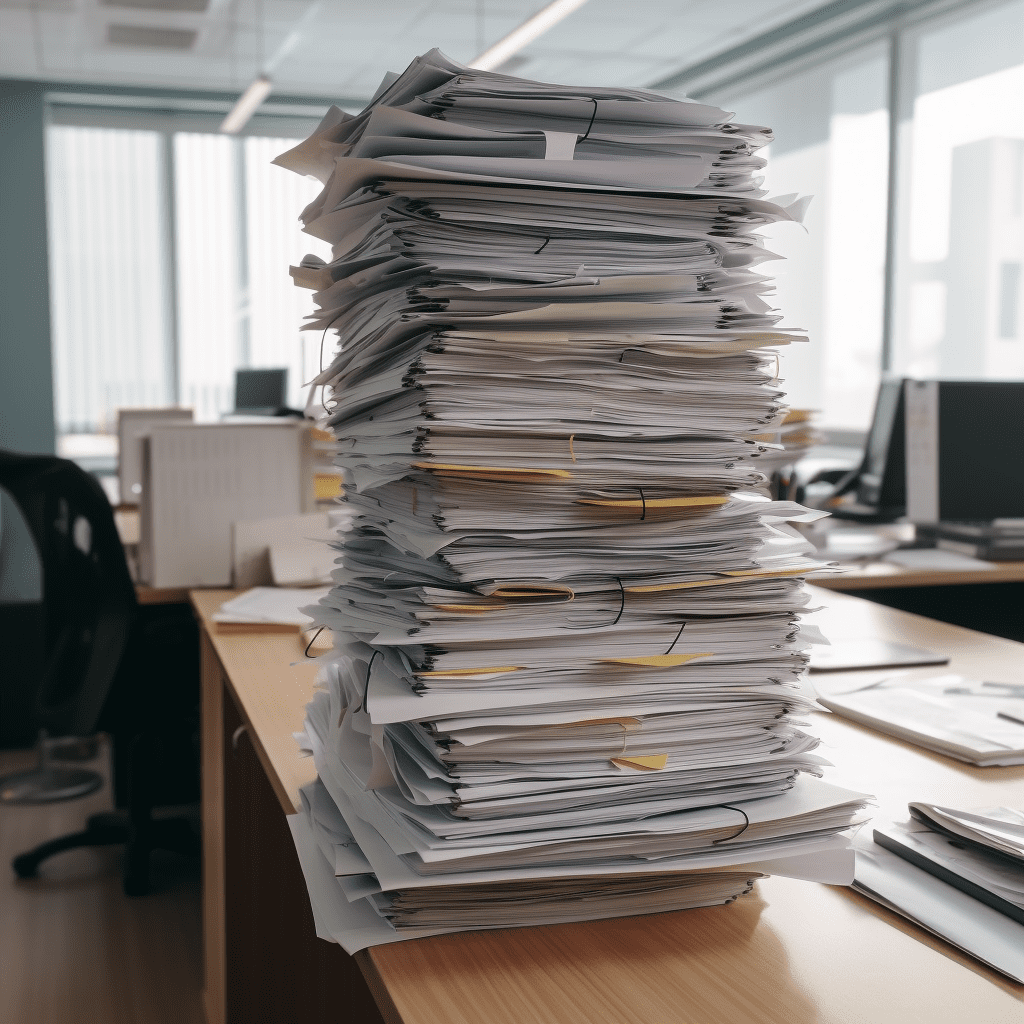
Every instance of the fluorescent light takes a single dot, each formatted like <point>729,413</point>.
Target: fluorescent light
<point>245,107</point>
<point>531,29</point>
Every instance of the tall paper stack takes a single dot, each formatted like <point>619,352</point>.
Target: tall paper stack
<point>567,675</point>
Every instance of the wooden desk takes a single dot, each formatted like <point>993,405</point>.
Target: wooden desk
<point>262,960</point>
<point>793,952</point>
<point>872,575</point>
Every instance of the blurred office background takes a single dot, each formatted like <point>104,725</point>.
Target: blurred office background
<point>168,242</point>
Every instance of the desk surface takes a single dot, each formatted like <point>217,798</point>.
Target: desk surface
<point>793,951</point>
<point>865,576</point>
<point>272,682</point>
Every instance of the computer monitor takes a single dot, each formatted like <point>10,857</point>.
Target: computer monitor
<point>966,438</point>
<point>964,443</point>
<point>877,487</point>
<point>882,485</point>
<point>260,392</point>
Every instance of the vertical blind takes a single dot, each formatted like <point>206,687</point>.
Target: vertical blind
<point>169,260</point>
<point>107,292</point>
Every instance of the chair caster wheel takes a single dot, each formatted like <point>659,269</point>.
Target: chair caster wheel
<point>25,866</point>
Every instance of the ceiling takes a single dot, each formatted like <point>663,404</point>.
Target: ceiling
<point>340,49</point>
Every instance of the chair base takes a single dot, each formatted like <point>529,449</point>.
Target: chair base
<point>47,784</point>
<point>112,828</point>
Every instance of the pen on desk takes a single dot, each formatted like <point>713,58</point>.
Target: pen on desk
<point>1010,718</point>
<point>1016,689</point>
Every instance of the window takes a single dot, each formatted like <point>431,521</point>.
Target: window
<point>960,241</point>
<point>107,274</point>
<point>929,285</point>
<point>831,128</point>
<point>169,259</point>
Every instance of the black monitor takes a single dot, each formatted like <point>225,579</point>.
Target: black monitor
<point>877,487</point>
<point>882,484</point>
<point>261,392</point>
<point>972,434</point>
<point>977,439</point>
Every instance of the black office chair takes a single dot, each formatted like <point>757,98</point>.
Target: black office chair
<point>94,641</point>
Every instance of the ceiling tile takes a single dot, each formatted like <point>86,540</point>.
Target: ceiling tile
<point>346,48</point>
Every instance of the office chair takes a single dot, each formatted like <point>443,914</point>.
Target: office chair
<point>91,623</point>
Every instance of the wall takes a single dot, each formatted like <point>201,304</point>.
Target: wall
<point>26,382</point>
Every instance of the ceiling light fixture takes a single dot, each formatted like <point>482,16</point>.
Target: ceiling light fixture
<point>546,18</point>
<point>246,104</point>
<point>259,89</point>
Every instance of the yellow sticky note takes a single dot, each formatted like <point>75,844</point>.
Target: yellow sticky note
<point>327,485</point>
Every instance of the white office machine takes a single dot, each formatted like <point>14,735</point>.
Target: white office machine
<point>199,479</point>
<point>132,426</point>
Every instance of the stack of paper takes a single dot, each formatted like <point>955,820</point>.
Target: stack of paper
<point>960,874</point>
<point>567,677</point>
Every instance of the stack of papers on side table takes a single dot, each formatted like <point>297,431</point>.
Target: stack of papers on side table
<point>567,681</point>
<point>960,874</point>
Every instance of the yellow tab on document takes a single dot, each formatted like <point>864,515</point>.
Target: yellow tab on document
<point>650,763</point>
<point>624,722</point>
<point>520,591</point>
<point>727,577</point>
<point>501,474</point>
<point>468,609</point>
<point>658,660</point>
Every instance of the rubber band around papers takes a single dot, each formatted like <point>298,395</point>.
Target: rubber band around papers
<point>622,603</point>
<point>615,621</point>
<point>323,387</point>
<point>593,117</point>
<point>746,823</point>
<point>366,689</point>
<point>313,641</point>
<point>678,635</point>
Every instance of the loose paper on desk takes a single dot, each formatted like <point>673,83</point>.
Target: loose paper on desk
<point>271,605</point>
<point>991,877</point>
<point>949,714</point>
<point>942,909</point>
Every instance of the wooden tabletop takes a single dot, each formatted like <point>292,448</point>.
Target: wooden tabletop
<point>864,576</point>
<point>271,680</point>
<point>791,952</point>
